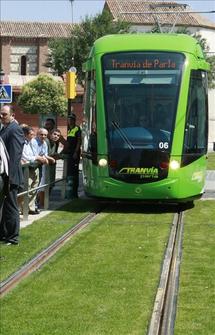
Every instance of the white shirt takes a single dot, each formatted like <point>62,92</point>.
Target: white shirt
<point>30,151</point>
<point>4,159</point>
<point>39,147</point>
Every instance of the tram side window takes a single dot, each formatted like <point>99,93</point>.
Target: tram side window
<point>90,138</point>
<point>195,137</point>
<point>89,123</point>
<point>93,132</point>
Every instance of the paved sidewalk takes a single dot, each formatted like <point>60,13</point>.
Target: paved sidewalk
<point>209,185</point>
<point>55,203</point>
<point>56,200</point>
<point>210,180</point>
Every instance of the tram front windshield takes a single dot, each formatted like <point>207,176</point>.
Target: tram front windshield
<point>141,92</point>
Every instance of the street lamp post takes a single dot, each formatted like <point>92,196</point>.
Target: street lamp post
<point>71,74</point>
<point>73,49</point>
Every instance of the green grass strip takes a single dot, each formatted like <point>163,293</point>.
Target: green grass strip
<point>196,305</point>
<point>211,161</point>
<point>103,281</point>
<point>40,234</point>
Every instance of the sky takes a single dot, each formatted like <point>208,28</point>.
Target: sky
<point>63,11</point>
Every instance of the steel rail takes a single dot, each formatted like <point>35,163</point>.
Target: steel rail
<point>44,255</point>
<point>164,311</point>
<point>169,313</point>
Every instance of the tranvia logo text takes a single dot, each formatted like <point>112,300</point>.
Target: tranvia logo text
<point>151,172</point>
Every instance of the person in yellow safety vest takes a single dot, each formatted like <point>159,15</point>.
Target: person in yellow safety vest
<point>73,149</point>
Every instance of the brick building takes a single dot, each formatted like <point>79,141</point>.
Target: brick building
<point>23,54</point>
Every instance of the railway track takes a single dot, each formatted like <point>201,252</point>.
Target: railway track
<point>44,255</point>
<point>163,315</point>
<point>164,311</point>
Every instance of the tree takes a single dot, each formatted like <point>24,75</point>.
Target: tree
<point>81,41</point>
<point>43,95</point>
<point>205,48</point>
<point>209,59</point>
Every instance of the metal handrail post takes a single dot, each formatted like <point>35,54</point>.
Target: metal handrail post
<point>47,187</point>
<point>24,195</point>
<point>63,188</point>
<point>26,188</point>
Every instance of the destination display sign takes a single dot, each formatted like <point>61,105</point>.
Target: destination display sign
<point>150,61</point>
<point>145,64</point>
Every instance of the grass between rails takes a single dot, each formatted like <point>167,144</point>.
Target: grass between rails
<point>211,161</point>
<point>40,234</point>
<point>101,282</point>
<point>196,305</point>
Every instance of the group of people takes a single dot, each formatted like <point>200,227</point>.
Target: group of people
<point>37,154</point>
<point>20,145</point>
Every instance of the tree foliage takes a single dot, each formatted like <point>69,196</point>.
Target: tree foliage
<point>81,41</point>
<point>43,95</point>
<point>210,59</point>
<point>205,48</point>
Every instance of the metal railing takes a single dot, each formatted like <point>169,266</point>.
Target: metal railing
<point>45,187</point>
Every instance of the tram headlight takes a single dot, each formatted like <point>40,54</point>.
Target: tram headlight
<point>103,162</point>
<point>174,165</point>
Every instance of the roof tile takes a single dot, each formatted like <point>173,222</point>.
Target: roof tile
<point>119,8</point>
<point>35,29</point>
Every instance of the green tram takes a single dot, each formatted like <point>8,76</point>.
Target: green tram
<point>145,123</point>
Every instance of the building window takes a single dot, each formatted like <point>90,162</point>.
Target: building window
<point>23,65</point>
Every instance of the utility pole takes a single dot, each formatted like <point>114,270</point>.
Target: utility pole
<point>71,75</point>
<point>73,50</point>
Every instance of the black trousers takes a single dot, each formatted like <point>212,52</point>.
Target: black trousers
<point>73,172</point>
<point>1,195</point>
<point>10,221</point>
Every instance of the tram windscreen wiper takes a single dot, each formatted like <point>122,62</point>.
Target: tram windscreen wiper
<point>122,134</point>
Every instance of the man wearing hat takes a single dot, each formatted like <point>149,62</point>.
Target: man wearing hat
<point>73,149</point>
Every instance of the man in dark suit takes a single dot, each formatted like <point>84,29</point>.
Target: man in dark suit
<point>4,170</point>
<point>13,138</point>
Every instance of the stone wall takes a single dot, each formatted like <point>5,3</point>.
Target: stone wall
<point>35,50</point>
<point>17,51</point>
